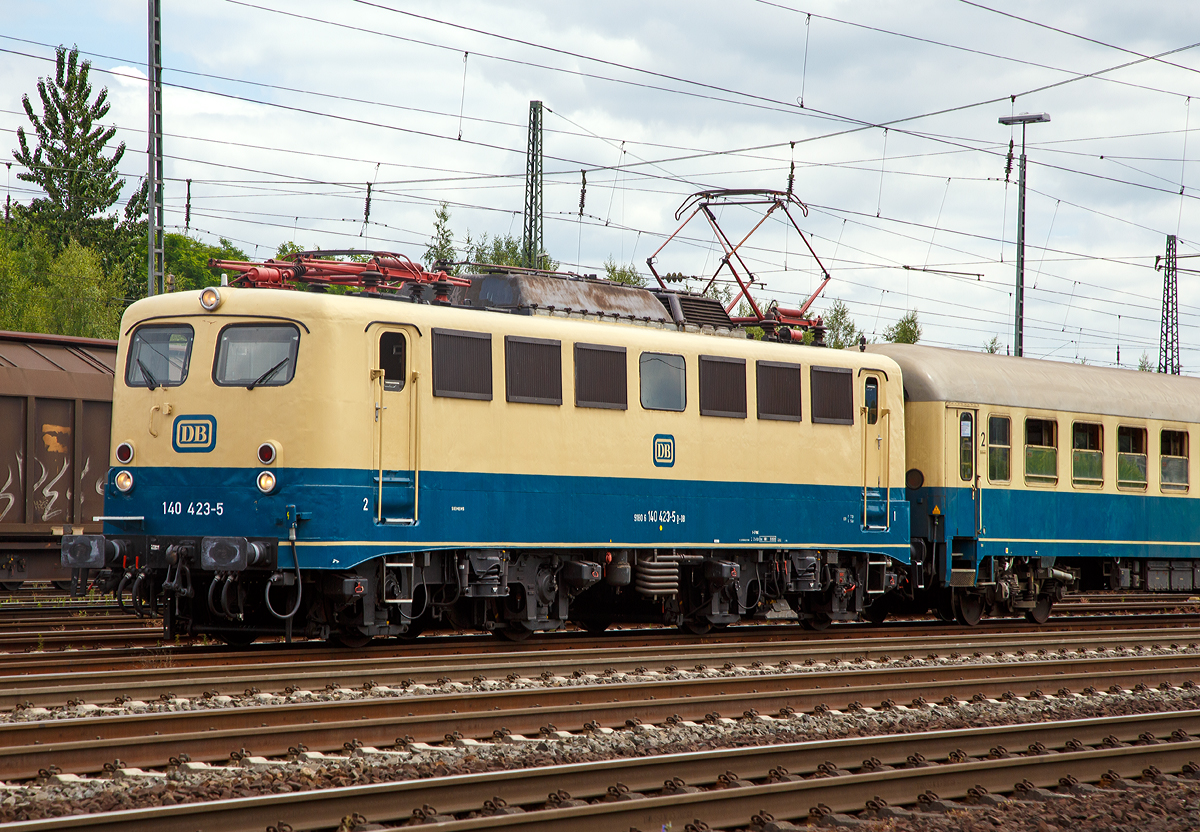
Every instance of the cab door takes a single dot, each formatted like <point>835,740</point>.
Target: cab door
<point>876,455</point>
<point>394,474</point>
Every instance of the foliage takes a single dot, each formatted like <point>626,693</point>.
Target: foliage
<point>905,331</point>
<point>623,274</point>
<point>1145,364</point>
<point>287,248</point>
<point>68,162</point>
<point>68,293</point>
<point>840,329</point>
<point>440,247</point>
<point>497,251</point>
<point>187,258</point>
<point>992,346</point>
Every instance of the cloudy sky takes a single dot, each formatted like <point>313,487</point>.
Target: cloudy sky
<point>280,113</point>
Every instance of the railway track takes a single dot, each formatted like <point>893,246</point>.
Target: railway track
<point>213,726</point>
<point>136,634</point>
<point>41,680</point>
<point>724,788</point>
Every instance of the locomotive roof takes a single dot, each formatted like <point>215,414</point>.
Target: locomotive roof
<point>935,374</point>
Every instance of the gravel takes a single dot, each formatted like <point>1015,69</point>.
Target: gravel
<point>186,782</point>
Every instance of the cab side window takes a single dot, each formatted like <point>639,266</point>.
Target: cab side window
<point>871,399</point>
<point>391,360</point>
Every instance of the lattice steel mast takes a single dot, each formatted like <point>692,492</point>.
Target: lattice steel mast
<point>1168,342</point>
<point>532,242</point>
<point>154,192</point>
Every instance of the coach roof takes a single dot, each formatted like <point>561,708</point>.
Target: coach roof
<point>934,374</point>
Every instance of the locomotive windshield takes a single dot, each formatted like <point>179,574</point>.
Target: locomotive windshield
<point>256,355</point>
<point>159,356</point>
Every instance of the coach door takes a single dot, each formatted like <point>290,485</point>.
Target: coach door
<point>393,388</point>
<point>876,453</point>
<point>962,471</point>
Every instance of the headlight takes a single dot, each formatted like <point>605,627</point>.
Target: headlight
<point>124,481</point>
<point>125,453</point>
<point>266,482</point>
<point>210,298</point>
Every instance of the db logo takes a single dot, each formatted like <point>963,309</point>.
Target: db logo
<point>664,450</point>
<point>194,434</point>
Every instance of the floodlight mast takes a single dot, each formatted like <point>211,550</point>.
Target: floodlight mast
<point>1019,313</point>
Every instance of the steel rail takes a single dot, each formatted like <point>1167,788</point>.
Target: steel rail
<point>149,740</point>
<point>193,678</point>
<point>720,808</point>
<point>16,644</point>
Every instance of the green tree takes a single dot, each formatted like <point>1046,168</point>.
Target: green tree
<point>440,247</point>
<point>69,161</point>
<point>1145,364</point>
<point>68,293</point>
<point>907,330</point>
<point>623,274</point>
<point>840,329</point>
<point>187,258</point>
<point>992,346</point>
<point>287,248</point>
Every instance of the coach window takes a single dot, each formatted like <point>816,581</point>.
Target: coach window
<point>1087,455</point>
<point>391,360</point>
<point>1174,451</point>
<point>722,386</point>
<point>1131,457</point>
<point>533,370</point>
<point>601,377</point>
<point>664,381</point>
<point>999,448</point>
<point>1041,451</point>
<point>256,355</point>
<point>159,356</point>
<point>462,364</point>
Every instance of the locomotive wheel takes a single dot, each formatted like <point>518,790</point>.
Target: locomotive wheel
<point>237,638</point>
<point>350,639</point>
<point>816,621</point>
<point>697,626</point>
<point>876,611</point>
<point>969,608</point>
<point>64,586</point>
<point>1040,614</point>
<point>11,586</point>
<point>513,632</point>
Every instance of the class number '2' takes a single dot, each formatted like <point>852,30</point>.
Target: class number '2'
<point>365,499</point>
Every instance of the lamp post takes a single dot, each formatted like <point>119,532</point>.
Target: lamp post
<point>1019,323</point>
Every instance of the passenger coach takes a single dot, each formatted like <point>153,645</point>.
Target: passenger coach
<point>1027,477</point>
<point>366,465</point>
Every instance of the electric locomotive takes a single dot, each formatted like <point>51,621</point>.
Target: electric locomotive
<point>506,452</point>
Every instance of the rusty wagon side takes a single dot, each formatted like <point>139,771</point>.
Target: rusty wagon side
<point>55,419</point>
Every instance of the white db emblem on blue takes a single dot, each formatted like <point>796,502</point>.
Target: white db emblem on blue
<point>664,450</point>
<point>194,434</point>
